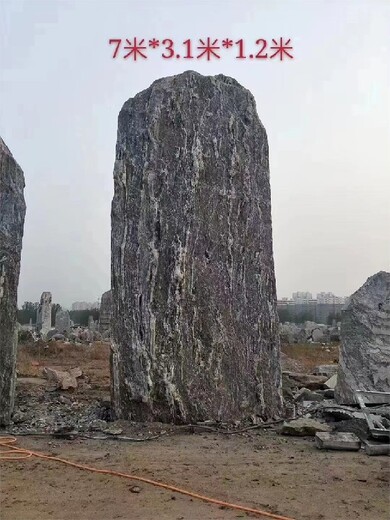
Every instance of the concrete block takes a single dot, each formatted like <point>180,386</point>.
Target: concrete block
<point>337,441</point>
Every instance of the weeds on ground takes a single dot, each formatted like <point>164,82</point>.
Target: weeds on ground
<point>32,357</point>
<point>312,355</point>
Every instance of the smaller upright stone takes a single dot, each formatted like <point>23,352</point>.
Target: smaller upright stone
<point>105,312</point>
<point>62,322</point>
<point>44,314</point>
<point>91,324</point>
<point>365,340</point>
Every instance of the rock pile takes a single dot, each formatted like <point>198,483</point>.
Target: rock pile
<point>63,379</point>
<point>308,332</point>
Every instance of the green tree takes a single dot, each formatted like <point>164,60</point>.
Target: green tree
<point>27,312</point>
<point>284,315</point>
<point>81,317</point>
<point>333,316</point>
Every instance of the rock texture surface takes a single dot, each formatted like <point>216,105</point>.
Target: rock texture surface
<point>365,340</point>
<point>195,328</point>
<point>12,213</point>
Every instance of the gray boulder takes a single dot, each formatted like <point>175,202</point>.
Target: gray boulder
<point>365,340</point>
<point>51,333</point>
<point>304,427</point>
<point>304,394</point>
<point>289,332</point>
<point>12,213</point>
<point>62,321</point>
<point>58,337</point>
<point>195,328</point>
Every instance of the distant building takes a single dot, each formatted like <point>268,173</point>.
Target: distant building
<point>302,297</point>
<point>329,297</point>
<point>303,306</point>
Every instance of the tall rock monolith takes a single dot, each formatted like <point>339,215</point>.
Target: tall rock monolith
<point>195,328</point>
<point>12,213</point>
<point>365,340</point>
<point>105,313</point>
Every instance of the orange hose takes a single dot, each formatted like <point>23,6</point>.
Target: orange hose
<point>22,453</point>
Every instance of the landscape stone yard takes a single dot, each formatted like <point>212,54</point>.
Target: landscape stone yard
<point>182,388</point>
<point>152,366</point>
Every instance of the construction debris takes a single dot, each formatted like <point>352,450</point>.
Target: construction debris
<point>306,380</point>
<point>376,448</point>
<point>304,394</point>
<point>331,382</point>
<point>378,424</point>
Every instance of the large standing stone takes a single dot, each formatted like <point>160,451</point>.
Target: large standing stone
<point>12,213</point>
<point>62,321</point>
<point>365,340</point>
<point>44,314</point>
<point>195,328</point>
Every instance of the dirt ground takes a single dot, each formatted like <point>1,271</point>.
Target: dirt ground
<point>259,469</point>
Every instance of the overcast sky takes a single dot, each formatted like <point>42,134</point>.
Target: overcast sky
<point>326,112</point>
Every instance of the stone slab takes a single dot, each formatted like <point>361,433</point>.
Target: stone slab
<point>331,382</point>
<point>337,441</point>
<point>303,427</point>
<point>376,448</point>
